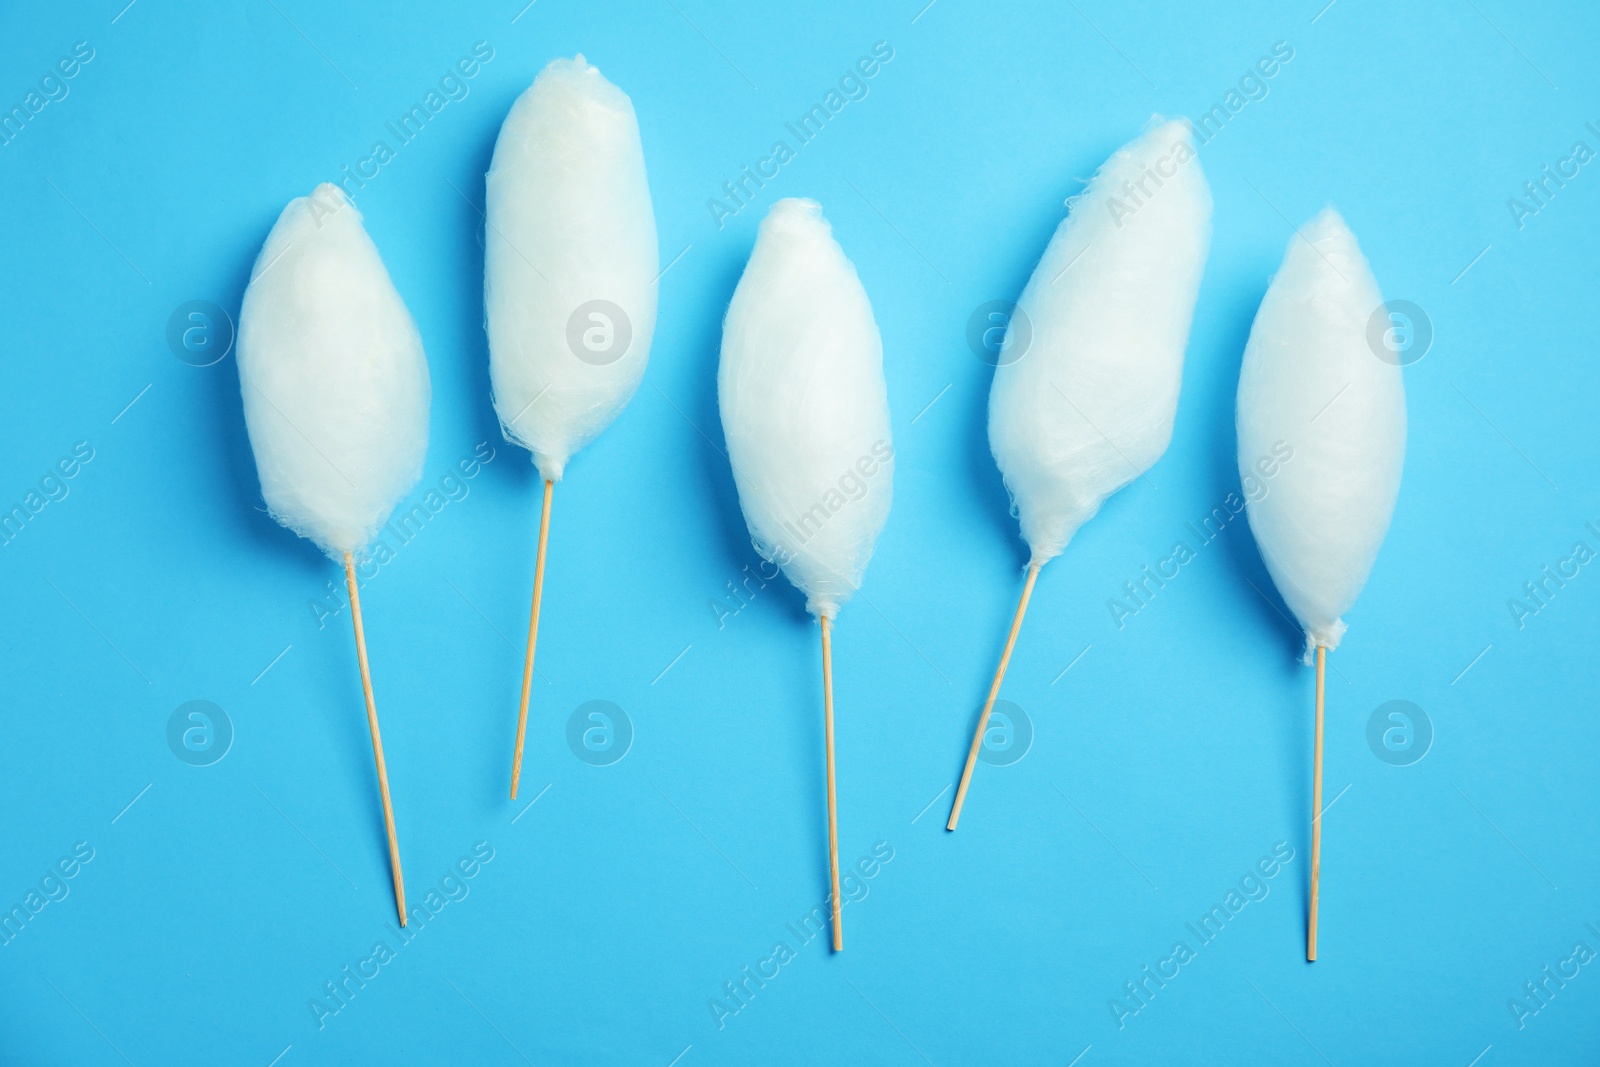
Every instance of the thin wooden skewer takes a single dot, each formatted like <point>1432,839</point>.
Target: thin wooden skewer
<point>533,637</point>
<point>1316,812</point>
<point>833,803</point>
<point>994,691</point>
<point>377,739</point>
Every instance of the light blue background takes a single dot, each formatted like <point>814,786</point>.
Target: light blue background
<point>1173,754</point>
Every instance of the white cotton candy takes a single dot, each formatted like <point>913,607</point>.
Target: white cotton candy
<point>1087,384</point>
<point>570,263</point>
<point>804,407</point>
<point>333,375</point>
<point>1322,427</point>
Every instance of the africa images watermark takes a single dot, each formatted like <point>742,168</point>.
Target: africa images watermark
<point>1252,86</point>
<point>1140,591</point>
<point>739,991</point>
<point>451,87</point>
<point>742,595</point>
<point>52,487</point>
<point>53,88</point>
<point>1539,591</point>
<point>742,191</point>
<point>599,732</point>
<point>51,889</point>
<point>453,887</point>
<point>404,526</point>
<point>1136,194</point>
<point>846,489</point>
<point>1252,888</point>
<point>851,486</point>
<point>199,733</point>
<point>1538,993</point>
<point>1399,733</point>
<point>1538,193</point>
<point>200,333</point>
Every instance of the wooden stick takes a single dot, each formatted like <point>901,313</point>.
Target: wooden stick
<point>377,739</point>
<point>533,638</point>
<point>833,802</point>
<point>1316,812</point>
<point>994,691</point>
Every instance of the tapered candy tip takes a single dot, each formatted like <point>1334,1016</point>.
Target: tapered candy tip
<point>1327,225</point>
<point>583,80</point>
<point>1165,131</point>
<point>797,213</point>
<point>802,206</point>
<point>329,191</point>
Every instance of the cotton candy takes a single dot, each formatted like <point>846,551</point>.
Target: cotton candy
<point>334,379</point>
<point>1086,389</point>
<point>570,263</point>
<point>1314,388</point>
<point>805,410</point>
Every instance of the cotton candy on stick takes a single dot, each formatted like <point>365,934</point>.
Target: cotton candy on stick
<point>569,281</point>
<point>336,396</point>
<point>1314,385</point>
<point>806,416</point>
<point>1086,405</point>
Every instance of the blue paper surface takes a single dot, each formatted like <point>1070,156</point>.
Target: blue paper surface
<point>229,883</point>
